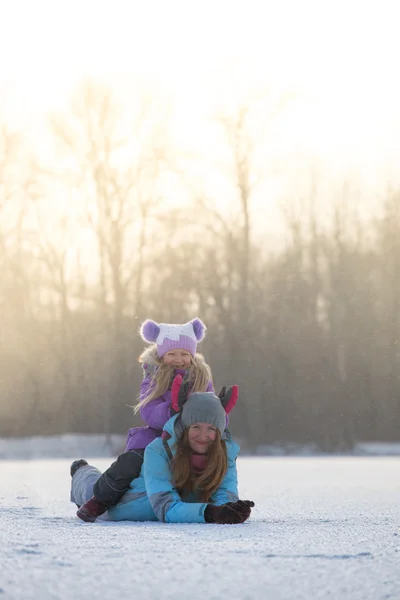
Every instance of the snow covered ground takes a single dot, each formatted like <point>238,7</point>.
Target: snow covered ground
<point>323,527</point>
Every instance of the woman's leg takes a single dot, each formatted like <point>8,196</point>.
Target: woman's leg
<point>82,484</point>
<point>107,489</point>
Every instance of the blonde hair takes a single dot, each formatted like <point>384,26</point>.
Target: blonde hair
<point>207,482</point>
<point>199,375</point>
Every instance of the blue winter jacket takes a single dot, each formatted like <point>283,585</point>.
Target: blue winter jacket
<point>152,496</point>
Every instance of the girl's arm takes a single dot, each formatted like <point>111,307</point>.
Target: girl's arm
<point>164,499</point>
<point>228,490</point>
<point>157,412</point>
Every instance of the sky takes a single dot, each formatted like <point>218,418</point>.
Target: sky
<point>337,58</point>
<point>322,528</point>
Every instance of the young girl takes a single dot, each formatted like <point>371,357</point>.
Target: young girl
<point>189,474</point>
<point>173,351</point>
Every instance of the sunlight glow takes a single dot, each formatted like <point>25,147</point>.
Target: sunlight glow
<point>338,58</point>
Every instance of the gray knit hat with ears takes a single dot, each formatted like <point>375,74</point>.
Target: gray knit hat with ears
<point>204,407</point>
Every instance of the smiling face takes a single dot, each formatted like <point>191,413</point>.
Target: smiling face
<point>201,436</point>
<point>178,358</point>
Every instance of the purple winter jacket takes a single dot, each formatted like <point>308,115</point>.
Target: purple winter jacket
<point>156,413</point>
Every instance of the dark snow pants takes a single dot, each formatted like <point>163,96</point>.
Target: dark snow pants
<point>114,482</point>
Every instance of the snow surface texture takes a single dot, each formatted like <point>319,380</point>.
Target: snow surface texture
<point>322,528</point>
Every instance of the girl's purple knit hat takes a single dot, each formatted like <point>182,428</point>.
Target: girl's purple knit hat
<point>169,336</point>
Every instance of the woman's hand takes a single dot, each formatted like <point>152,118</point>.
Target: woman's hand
<point>230,513</point>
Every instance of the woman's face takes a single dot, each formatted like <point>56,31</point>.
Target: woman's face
<point>180,359</point>
<point>201,436</point>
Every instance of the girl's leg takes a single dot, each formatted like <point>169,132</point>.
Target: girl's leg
<point>114,482</point>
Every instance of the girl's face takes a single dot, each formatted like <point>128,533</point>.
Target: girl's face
<point>180,359</point>
<point>201,436</point>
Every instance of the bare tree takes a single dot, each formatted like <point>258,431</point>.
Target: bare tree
<point>17,289</point>
<point>117,162</point>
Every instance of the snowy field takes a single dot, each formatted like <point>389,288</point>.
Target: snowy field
<point>323,527</point>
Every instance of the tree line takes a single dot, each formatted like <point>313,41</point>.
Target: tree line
<point>91,245</point>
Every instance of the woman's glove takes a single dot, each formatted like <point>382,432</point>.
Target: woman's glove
<point>230,513</point>
<point>244,507</point>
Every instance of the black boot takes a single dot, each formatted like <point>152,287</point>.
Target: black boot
<point>91,510</point>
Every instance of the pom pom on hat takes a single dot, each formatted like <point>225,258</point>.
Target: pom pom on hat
<point>199,328</point>
<point>149,331</point>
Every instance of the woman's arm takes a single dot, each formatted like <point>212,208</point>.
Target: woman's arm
<point>228,490</point>
<point>164,499</point>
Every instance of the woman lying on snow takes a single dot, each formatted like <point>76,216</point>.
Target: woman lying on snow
<point>189,474</point>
